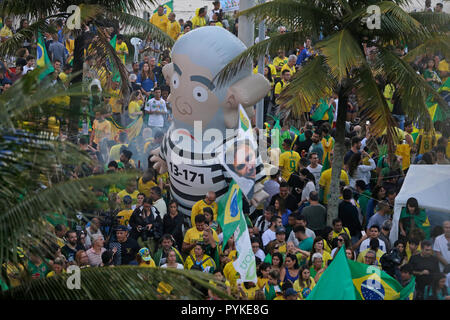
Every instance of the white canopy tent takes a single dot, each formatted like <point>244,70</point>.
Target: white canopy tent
<point>430,185</point>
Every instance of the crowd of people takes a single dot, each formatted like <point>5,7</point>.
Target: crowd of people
<point>136,222</point>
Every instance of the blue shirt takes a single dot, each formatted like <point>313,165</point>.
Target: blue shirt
<point>302,56</point>
<point>146,84</point>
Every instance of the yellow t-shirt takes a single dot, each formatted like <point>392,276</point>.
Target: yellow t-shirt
<point>344,230</point>
<point>291,69</point>
<point>303,291</point>
<point>148,264</point>
<point>231,274</point>
<point>122,48</point>
<point>261,282</point>
<point>198,21</point>
<point>145,187</point>
<point>193,236</point>
<point>362,254</point>
<point>6,32</point>
<point>280,86</point>
<point>124,216</point>
<point>114,152</point>
<point>133,195</point>
<point>114,102</point>
<point>404,150</point>
<point>173,29</point>
<point>325,181</point>
<point>197,208</point>
<point>133,107</point>
<point>101,130</point>
<point>279,62</point>
<point>288,163</point>
<point>443,67</point>
<point>159,21</point>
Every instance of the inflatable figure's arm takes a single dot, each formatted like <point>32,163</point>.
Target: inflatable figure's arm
<point>160,165</point>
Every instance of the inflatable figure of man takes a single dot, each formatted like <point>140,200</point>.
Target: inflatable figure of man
<point>204,111</point>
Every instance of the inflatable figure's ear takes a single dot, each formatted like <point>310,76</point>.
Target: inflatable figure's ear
<point>167,71</point>
<point>246,92</point>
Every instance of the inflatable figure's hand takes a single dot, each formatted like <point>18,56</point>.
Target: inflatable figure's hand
<point>160,165</point>
<point>259,195</point>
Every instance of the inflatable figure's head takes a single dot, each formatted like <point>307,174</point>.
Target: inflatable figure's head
<point>197,57</point>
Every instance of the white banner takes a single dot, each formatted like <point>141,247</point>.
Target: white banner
<point>245,263</point>
<point>229,5</point>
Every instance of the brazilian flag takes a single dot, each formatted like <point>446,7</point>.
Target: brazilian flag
<point>114,70</point>
<point>322,109</point>
<point>346,279</point>
<point>436,112</point>
<point>230,211</point>
<point>42,59</point>
<point>372,283</point>
<point>168,7</point>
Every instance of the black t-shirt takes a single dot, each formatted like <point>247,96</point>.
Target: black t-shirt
<point>349,216</point>
<point>297,186</point>
<point>291,202</point>
<point>348,155</point>
<point>70,253</point>
<point>303,145</point>
<point>420,263</point>
<point>126,251</point>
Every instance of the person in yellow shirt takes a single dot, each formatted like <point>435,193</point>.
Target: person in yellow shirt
<point>146,182</point>
<point>130,190</point>
<point>279,61</point>
<point>144,258</point>
<point>285,79</point>
<point>199,19</point>
<point>199,260</point>
<point>114,152</point>
<point>290,65</point>
<point>6,31</point>
<point>121,48</point>
<point>305,283</point>
<point>325,182</point>
<point>101,128</point>
<point>134,107</point>
<point>209,201</point>
<point>444,70</point>
<point>173,27</point>
<point>125,215</point>
<point>195,234</point>
<point>288,160</point>
<point>159,19</point>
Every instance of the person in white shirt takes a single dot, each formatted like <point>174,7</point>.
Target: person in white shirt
<point>315,168</point>
<point>270,234</point>
<point>373,233</point>
<point>31,61</point>
<point>441,246</point>
<point>257,250</point>
<point>156,109</point>
<point>359,171</point>
<point>263,222</point>
<point>158,201</point>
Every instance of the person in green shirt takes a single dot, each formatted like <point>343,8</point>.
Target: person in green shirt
<point>364,196</point>
<point>37,267</point>
<point>412,217</point>
<point>305,242</point>
<point>431,75</point>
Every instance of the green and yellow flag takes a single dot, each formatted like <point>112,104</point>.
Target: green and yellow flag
<point>436,112</point>
<point>345,279</point>
<point>42,59</point>
<point>230,211</point>
<point>168,7</point>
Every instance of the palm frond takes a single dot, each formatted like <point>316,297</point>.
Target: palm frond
<point>28,93</point>
<point>437,43</point>
<point>373,104</point>
<point>121,283</point>
<point>413,89</point>
<point>432,20</point>
<point>268,46</point>
<point>293,14</point>
<point>342,52</point>
<point>311,83</point>
<point>396,23</point>
<point>137,24</point>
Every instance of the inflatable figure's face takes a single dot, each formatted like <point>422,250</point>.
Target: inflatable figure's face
<point>192,94</point>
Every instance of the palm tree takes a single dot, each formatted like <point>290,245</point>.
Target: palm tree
<point>100,14</point>
<point>341,63</point>
<point>36,179</point>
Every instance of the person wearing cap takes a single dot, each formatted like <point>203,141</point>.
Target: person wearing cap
<point>280,239</point>
<point>124,247</point>
<point>144,259</point>
<point>270,234</point>
<point>291,294</point>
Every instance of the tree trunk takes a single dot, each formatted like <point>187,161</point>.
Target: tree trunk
<point>75,101</point>
<point>338,155</point>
